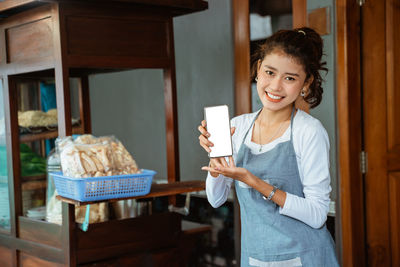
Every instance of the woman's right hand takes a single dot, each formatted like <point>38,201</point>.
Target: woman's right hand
<point>206,144</point>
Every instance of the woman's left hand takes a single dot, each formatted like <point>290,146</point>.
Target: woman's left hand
<point>237,173</point>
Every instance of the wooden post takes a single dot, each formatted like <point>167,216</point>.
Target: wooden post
<point>13,159</point>
<point>171,113</point>
<point>64,125</point>
<point>84,104</point>
<point>299,11</point>
<point>351,210</point>
<point>241,41</point>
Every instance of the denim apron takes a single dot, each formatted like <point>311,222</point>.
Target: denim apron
<point>269,238</point>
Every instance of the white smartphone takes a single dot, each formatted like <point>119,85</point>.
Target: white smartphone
<point>219,127</point>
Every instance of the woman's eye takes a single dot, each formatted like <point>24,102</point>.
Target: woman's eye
<point>269,72</point>
<point>290,79</point>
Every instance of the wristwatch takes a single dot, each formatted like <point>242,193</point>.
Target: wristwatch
<point>271,194</point>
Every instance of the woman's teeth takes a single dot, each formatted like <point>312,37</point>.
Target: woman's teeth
<point>274,96</point>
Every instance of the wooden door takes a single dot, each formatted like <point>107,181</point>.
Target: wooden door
<point>380,68</point>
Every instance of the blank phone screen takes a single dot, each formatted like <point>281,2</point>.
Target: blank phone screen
<point>218,125</point>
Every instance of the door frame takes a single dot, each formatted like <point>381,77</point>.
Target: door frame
<point>351,226</point>
<point>349,222</point>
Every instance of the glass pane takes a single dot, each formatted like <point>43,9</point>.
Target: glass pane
<point>33,123</point>
<point>4,200</point>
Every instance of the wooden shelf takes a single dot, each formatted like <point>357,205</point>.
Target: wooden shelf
<point>62,39</point>
<point>192,228</point>
<point>157,190</point>
<point>34,185</point>
<point>33,178</point>
<point>26,138</point>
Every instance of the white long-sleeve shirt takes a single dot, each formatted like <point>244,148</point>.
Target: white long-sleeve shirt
<point>311,145</point>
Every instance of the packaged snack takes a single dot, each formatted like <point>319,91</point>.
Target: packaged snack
<point>87,160</point>
<point>121,160</point>
<point>98,212</point>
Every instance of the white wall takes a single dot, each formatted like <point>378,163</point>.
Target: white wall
<point>204,63</point>
<point>326,111</point>
<point>130,104</point>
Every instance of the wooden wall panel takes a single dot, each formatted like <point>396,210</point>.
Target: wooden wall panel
<point>394,199</point>
<point>40,231</point>
<point>5,257</point>
<point>320,20</point>
<point>27,260</point>
<point>392,74</point>
<point>8,4</point>
<point>99,243</point>
<point>393,122</point>
<point>95,36</point>
<point>377,215</point>
<point>30,41</point>
<point>351,212</point>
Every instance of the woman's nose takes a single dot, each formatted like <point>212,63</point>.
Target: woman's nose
<point>275,83</point>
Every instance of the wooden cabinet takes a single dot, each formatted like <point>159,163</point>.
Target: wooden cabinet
<point>74,39</point>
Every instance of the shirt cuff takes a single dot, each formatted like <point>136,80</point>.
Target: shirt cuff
<point>288,204</point>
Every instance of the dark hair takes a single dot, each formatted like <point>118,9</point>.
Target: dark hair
<point>304,45</point>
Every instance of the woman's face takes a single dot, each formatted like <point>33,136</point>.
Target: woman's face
<point>280,80</point>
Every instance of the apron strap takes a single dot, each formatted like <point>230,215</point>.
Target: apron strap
<point>251,124</point>
<point>291,124</point>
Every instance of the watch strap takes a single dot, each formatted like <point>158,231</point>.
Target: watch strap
<point>271,194</point>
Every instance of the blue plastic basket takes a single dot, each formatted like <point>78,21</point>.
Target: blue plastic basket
<point>104,187</point>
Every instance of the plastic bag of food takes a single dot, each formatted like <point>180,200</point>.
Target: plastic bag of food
<point>87,160</point>
<point>90,156</point>
<point>98,212</point>
<point>122,159</point>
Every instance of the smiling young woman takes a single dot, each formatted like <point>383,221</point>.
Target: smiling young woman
<point>280,163</point>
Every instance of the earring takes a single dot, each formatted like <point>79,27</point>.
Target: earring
<point>302,93</point>
<point>256,79</point>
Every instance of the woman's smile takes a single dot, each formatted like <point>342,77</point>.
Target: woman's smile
<point>273,98</point>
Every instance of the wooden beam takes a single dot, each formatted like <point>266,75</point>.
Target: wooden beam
<point>26,138</point>
<point>84,104</point>
<point>171,112</point>
<point>299,10</point>
<point>10,94</point>
<point>241,40</point>
<point>351,209</point>
<point>64,123</point>
<point>43,251</point>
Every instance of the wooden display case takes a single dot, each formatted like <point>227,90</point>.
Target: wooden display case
<point>65,39</point>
